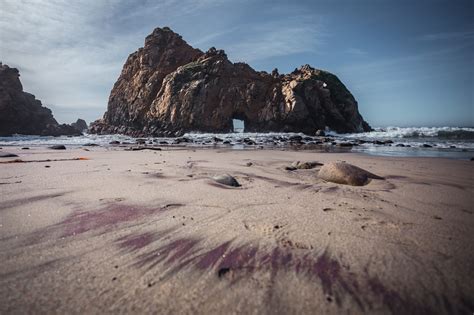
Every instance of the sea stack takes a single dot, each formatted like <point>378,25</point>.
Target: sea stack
<point>168,88</point>
<point>22,113</point>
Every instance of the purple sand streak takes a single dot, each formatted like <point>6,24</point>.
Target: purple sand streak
<point>111,215</point>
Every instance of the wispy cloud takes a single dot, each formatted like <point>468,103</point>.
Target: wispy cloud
<point>463,35</point>
<point>356,51</point>
<point>298,34</point>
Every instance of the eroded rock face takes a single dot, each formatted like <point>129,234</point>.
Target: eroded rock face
<point>22,113</point>
<point>346,174</point>
<point>168,88</point>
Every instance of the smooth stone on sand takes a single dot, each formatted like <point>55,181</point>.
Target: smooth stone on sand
<point>346,174</point>
<point>7,154</point>
<point>58,147</point>
<point>226,179</point>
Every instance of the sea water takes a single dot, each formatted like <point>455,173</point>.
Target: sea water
<point>449,142</point>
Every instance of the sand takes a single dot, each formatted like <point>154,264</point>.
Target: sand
<point>150,232</point>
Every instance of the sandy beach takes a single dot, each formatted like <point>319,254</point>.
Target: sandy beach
<point>150,232</point>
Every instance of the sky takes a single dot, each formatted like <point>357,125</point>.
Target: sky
<point>407,63</point>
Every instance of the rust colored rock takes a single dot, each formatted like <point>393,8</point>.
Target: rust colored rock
<point>168,88</point>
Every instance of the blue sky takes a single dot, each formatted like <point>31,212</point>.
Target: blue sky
<point>408,63</point>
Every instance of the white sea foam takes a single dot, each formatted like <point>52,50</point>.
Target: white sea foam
<point>407,132</point>
<point>406,141</point>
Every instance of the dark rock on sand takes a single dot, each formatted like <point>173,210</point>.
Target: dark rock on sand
<point>7,154</point>
<point>227,180</point>
<point>345,173</point>
<point>143,148</point>
<point>345,144</point>
<point>58,147</point>
<point>168,88</point>
<point>249,141</point>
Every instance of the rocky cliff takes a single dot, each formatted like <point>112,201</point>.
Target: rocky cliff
<point>168,88</point>
<point>22,113</point>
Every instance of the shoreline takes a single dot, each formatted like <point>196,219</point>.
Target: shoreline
<point>143,231</point>
<point>381,151</point>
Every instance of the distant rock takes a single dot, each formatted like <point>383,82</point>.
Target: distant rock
<point>345,144</point>
<point>80,125</point>
<point>227,180</point>
<point>345,173</point>
<point>22,113</point>
<point>57,147</point>
<point>168,88</point>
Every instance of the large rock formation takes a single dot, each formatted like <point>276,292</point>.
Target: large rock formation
<point>168,88</point>
<point>22,113</point>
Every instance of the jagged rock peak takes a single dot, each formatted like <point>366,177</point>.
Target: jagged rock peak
<point>22,113</point>
<point>168,88</point>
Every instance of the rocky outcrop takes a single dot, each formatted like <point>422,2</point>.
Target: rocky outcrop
<point>168,88</point>
<point>80,125</point>
<point>22,113</point>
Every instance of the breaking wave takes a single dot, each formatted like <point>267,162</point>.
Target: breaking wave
<point>460,133</point>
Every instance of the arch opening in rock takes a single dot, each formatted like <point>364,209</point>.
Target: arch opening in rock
<point>238,125</point>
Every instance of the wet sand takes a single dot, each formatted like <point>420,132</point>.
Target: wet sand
<point>150,232</point>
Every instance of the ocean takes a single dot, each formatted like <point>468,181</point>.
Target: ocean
<point>447,142</point>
